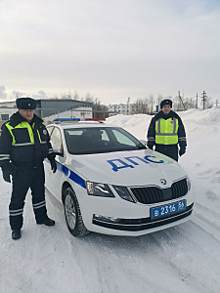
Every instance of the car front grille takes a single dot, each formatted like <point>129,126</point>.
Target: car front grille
<point>149,195</point>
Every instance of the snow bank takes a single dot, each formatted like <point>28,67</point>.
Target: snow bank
<point>183,259</point>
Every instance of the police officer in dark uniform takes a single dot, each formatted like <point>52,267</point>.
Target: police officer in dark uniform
<point>24,143</point>
<point>166,131</point>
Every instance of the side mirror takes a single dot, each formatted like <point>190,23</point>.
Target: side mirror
<point>55,149</point>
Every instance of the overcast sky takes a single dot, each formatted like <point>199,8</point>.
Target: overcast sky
<point>113,49</point>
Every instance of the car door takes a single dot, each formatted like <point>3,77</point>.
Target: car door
<point>54,180</point>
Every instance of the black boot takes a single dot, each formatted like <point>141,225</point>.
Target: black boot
<point>16,234</point>
<point>47,222</point>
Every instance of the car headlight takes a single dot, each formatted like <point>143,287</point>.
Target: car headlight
<point>123,193</point>
<point>99,189</point>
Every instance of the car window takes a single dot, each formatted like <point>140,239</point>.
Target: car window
<point>56,139</point>
<point>100,140</point>
<point>105,136</point>
<point>122,138</point>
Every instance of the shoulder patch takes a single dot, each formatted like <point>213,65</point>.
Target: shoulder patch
<point>0,132</point>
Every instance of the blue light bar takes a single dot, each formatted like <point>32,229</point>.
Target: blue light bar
<point>66,119</point>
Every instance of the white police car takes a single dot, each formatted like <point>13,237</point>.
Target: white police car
<point>110,183</point>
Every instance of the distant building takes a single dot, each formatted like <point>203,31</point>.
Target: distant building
<point>7,109</point>
<point>122,109</point>
<point>51,107</point>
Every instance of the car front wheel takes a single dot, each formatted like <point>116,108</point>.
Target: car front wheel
<point>72,213</point>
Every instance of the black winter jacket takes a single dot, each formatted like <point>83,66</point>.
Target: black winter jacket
<point>23,153</point>
<point>181,130</point>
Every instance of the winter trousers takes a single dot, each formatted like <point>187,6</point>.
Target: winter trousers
<point>22,180</point>
<point>168,150</point>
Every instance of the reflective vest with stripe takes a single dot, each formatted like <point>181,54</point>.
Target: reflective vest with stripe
<point>166,131</point>
<point>29,145</point>
<point>23,125</point>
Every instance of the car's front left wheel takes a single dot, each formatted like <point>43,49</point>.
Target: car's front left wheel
<point>72,213</point>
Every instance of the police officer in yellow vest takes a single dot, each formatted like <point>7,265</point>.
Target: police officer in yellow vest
<point>24,143</point>
<point>166,131</point>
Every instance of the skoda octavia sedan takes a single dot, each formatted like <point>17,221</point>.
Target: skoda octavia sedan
<point>110,183</point>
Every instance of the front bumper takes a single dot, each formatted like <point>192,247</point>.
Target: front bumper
<point>143,223</point>
<point>115,216</point>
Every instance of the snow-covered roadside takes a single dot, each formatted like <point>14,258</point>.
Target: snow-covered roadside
<point>183,259</point>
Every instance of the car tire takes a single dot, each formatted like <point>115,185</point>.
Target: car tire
<point>72,214</point>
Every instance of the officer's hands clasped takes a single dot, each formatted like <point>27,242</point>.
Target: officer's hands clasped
<point>53,166</point>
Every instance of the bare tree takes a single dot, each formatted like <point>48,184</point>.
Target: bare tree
<point>151,103</point>
<point>142,106</point>
<point>75,96</point>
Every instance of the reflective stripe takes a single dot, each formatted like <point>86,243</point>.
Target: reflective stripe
<point>182,138</point>
<point>4,157</point>
<point>159,126</point>
<point>39,203</point>
<point>23,144</point>
<point>39,136</point>
<point>38,207</point>
<point>18,214</point>
<point>174,126</point>
<point>43,142</point>
<point>50,151</point>
<point>150,138</point>
<point>166,134</point>
<point>15,211</point>
<point>10,130</point>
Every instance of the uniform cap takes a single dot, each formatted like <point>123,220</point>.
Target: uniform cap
<point>26,103</point>
<point>166,102</point>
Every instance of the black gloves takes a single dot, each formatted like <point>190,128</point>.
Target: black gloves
<point>182,151</point>
<point>150,144</point>
<point>7,171</point>
<point>53,165</point>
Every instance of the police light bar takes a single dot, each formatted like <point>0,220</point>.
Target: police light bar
<point>78,119</point>
<point>66,119</point>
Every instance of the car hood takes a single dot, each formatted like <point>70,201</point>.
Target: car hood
<point>127,168</point>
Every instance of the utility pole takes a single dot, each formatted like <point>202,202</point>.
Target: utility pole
<point>204,96</point>
<point>197,100</point>
<point>181,101</point>
<point>128,104</point>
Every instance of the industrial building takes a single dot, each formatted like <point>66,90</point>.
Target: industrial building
<point>51,107</point>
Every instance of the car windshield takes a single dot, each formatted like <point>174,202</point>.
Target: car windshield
<point>100,140</point>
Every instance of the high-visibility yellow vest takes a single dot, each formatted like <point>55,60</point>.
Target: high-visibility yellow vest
<point>27,126</point>
<point>166,131</point>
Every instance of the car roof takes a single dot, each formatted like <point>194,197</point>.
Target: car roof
<point>83,124</point>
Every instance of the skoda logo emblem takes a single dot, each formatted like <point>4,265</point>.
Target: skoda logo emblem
<point>163,181</point>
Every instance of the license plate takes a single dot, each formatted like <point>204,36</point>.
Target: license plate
<point>168,209</point>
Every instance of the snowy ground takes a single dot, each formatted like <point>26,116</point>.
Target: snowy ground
<point>183,259</point>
